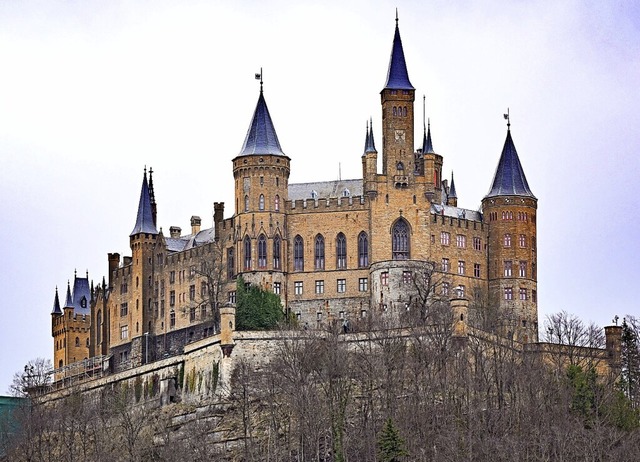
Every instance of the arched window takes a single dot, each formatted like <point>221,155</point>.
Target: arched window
<point>298,254</point>
<point>400,240</point>
<point>395,111</point>
<point>276,203</point>
<point>262,251</point>
<point>77,341</point>
<point>363,250</point>
<point>261,202</point>
<point>246,203</point>
<point>341,251</point>
<point>87,343</point>
<point>60,363</point>
<point>319,252</point>
<point>400,167</point>
<point>231,263</point>
<point>404,111</point>
<point>247,253</point>
<point>276,252</point>
<point>507,240</point>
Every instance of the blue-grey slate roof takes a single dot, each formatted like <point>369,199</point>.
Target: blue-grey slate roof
<point>261,136</point>
<point>397,76</point>
<point>81,296</point>
<point>509,179</point>
<point>427,144</point>
<point>325,189</point>
<point>68,303</point>
<point>456,212</point>
<point>452,188</point>
<point>178,244</point>
<point>369,144</point>
<point>144,220</point>
<point>56,304</point>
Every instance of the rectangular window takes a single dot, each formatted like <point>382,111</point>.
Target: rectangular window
<point>407,277</point>
<point>297,287</point>
<point>445,288</point>
<point>162,308</point>
<point>384,278</point>
<point>124,309</point>
<point>461,241</point>
<point>276,288</point>
<point>508,268</point>
<point>124,332</point>
<point>523,293</point>
<point>162,288</point>
<point>231,263</point>
<point>461,267</point>
<point>319,287</point>
<point>508,293</point>
<point>534,296</point>
<point>460,291</point>
<point>445,237</point>
<point>477,243</point>
<point>172,298</point>
<point>342,286</point>
<point>523,269</point>
<point>363,284</point>
<point>192,292</point>
<point>192,314</point>
<point>124,288</point>
<point>192,271</point>
<point>232,296</point>
<point>172,277</point>
<point>203,289</point>
<point>476,270</point>
<point>522,240</point>
<point>507,240</point>
<point>445,265</point>
<point>172,320</point>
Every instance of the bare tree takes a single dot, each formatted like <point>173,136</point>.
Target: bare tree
<point>212,273</point>
<point>33,380</point>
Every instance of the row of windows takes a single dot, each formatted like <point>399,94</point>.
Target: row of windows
<point>461,240</point>
<point>261,203</point>
<point>522,269</point>
<point>522,241</point>
<point>523,294</point>
<point>399,111</point>
<point>341,286</point>
<point>509,215</point>
<point>446,267</point>
<point>63,343</point>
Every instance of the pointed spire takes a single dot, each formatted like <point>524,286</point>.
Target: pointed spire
<point>397,76</point>
<point>427,145</point>
<point>68,303</point>
<point>509,179</point>
<point>261,136</point>
<point>152,197</point>
<point>452,188</point>
<point>56,304</point>
<point>369,144</point>
<point>144,220</point>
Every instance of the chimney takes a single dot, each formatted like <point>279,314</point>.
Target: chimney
<point>613,336</point>
<point>175,231</point>
<point>114,262</point>
<point>218,217</point>
<point>195,225</point>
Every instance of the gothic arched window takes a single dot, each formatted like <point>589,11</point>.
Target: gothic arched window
<point>341,251</point>
<point>276,252</point>
<point>400,240</point>
<point>231,262</point>
<point>261,202</point>
<point>277,203</point>
<point>319,252</point>
<point>298,254</point>
<point>363,250</point>
<point>262,251</point>
<point>246,203</point>
<point>247,253</point>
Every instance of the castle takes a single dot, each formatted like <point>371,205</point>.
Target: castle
<point>334,251</point>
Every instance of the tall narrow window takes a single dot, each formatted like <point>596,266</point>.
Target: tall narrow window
<point>246,203</point>
<point>247,253</point>
<point>363,250</point>
<point>319,252</point>
<point>231,264</point>
<point>261,202</point>
<point>298,254</point>
<point>276,252</point>
<point>262,251</point>
<point>341,251</point>
<point>400,240</point>
<point>276,202</point>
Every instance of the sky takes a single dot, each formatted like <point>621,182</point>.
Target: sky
<point>92,92</point>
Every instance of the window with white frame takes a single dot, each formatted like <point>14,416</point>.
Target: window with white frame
<point>124,332</point>
<point>407,277</point>
<point>297,287</point>
<point>522,267</point>
<point>232,296</point>
<point>507,240</point>
<point>363,284</point>
<point>277,288</point>
<point>445,265</point>
<point>319,287</point>
<point>342,286</point>
<point>445,238</point>
<point>461,267</point>
<point>508,268</point>
<point>384,278</point>
<point>476,270</point>
<point>461,241</point>
<point>477,243</point>
<point>522,240</point>
<point>508,293</point>
<point>445,288</point>
<point>523,293</point>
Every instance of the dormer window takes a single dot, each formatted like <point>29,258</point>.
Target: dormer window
<point>83,302</point>
<point>346,193</point>
<point>314,194</point>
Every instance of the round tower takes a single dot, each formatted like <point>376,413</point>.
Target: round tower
<point>509,210</point>
<point>261,173</point>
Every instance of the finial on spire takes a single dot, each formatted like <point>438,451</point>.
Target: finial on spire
<point>75,273</point>
<point>507,117</point>
<point>424,111</point>
<point>396,17</point>
<point>259,77</point>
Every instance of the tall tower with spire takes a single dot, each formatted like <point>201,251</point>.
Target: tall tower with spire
<point>509,210</point>
<point>261,173</point>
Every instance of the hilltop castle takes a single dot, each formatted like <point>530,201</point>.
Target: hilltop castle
<point>334,251</point>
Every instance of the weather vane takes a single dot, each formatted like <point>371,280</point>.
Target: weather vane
<point>506,116</point>
<point>259,77</point>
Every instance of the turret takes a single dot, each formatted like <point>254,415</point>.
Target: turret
<point>369,161</point>
<point>509,209</point>
<point>452,197</point>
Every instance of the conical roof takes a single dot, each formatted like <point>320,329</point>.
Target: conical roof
<point>452,188</point>
<point>427,145</point>
<point>68,303</point>
<point>56,304</point>
<point>144,220</point>
<point>397,76</point>
<point>369,144</point>
<point>509,179</point>
<point>261,137</point>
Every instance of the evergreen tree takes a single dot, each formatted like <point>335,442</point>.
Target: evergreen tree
<point>256,309</point>
<point>630,362</point>
<point>391,446</point>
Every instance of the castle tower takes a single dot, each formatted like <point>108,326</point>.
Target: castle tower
<point>452,197</point>
<point>131,315</point>
<point>509,209</point>
<point>57,331</point>
<point>369,162</point>
<point>431,167</point>
<point>397,99</point>
<point>261,173</point>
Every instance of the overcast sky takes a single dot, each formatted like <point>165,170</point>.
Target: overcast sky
<point>91,92</point>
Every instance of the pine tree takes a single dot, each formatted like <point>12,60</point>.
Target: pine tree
<point>256,309</point>
<point>630,364</point>
<point>390,444</point>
